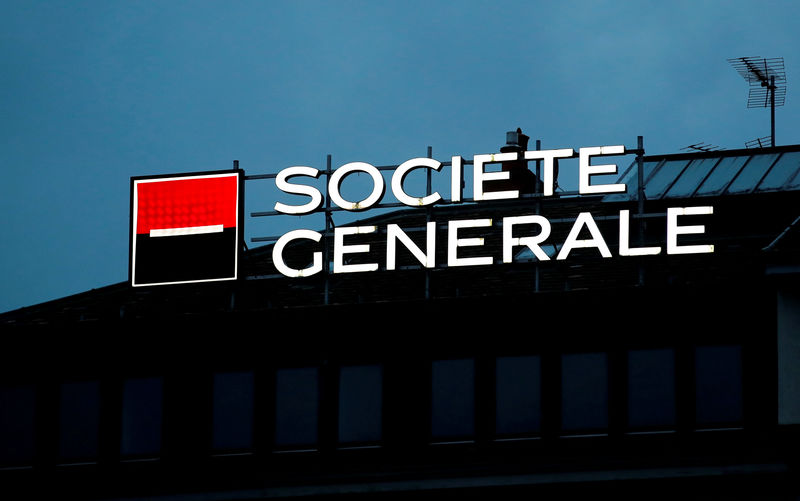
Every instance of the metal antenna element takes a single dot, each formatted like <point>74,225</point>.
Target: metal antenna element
<point>702,147</point>
<point>759,142</point>
<point>764,75</point>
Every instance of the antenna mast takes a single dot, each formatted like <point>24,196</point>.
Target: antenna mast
<point>764,76</point>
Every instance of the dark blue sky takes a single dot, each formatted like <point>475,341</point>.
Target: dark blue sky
<point>94,92</point>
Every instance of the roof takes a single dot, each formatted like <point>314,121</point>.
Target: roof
<point>717,173</point>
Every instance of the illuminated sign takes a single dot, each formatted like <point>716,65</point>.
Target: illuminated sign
<point>185,228</point>
<point>583,223</point>
<point>480,177</point>
<point>394,233</point>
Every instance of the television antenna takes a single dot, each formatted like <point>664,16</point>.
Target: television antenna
<point>701,147</point>
<point>765,76</point>
<point>759,142</point>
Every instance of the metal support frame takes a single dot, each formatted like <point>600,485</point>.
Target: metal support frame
<point>536,273</point>
<point>428,219</point>
<point>640,196</point>
<point>326,261</point>
<point>772,108</point>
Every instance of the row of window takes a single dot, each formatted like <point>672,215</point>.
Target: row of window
<point>360,394</point>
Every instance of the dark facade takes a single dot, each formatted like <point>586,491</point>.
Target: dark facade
<point>658,376</point>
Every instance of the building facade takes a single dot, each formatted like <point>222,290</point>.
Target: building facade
<point>660,374</point>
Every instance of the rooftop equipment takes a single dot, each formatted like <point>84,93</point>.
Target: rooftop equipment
<point>520,177</point>
<point>767,80</point>
<point>701,146</point>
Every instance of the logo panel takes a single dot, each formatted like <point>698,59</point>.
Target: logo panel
<point>185,228</point>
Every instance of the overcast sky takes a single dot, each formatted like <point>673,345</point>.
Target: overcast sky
<point>94,92</point>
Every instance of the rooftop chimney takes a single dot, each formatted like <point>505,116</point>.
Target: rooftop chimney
<point>521,178</point>
<point>515,141</point>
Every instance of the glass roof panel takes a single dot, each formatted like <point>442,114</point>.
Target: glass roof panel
<point>794,183</point>
<point>663,178</point>
<point>752,173</point>
<point>783,172</point>
<point>712,176</point>
<point>691,178</point>
<point>722,174</point>
<point>630,179</point>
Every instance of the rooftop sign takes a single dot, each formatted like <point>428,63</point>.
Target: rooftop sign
<point>185,228</point>
<point>518,231</point>
<point>480,178</point>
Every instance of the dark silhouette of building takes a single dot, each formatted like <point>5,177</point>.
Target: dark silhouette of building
<point>630,376</point>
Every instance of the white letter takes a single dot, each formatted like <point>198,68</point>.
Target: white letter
<point>402,171</point>
<point>336,180</point>
<point>453,243</point>
<point>586,170</point>
<point>277,254</point>
<point>584,218</point>
<point>624,240</point>
<point>532,242</point>
<point>479,177</point>
<point>393,232</point>
<point>549,165</point>
<point>673,230</point>
<point>283,184</point>
<point>339,249</point>
<point>455,179</point>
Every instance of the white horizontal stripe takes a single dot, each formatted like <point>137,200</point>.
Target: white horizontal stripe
<point>192,230</point>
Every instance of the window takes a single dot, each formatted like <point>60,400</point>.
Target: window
<point>782,173</point>
<point>691,178</point>
<point>651,388</point>
<point>788,355</point>
<point>721,176</point>
<point>360,403</point>
<point>718,379</point>
<point>584,391</point>
<point>752,173</point>
<point>518,403</point>
<point>17,429</point>
<point>453,398</point>
<point>664,178</point>
<point>296,407</point>
<point>79,421</point>
<point>142,403</point>
<point>233,411</point>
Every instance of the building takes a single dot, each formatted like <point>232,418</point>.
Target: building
<point>657,375</point>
